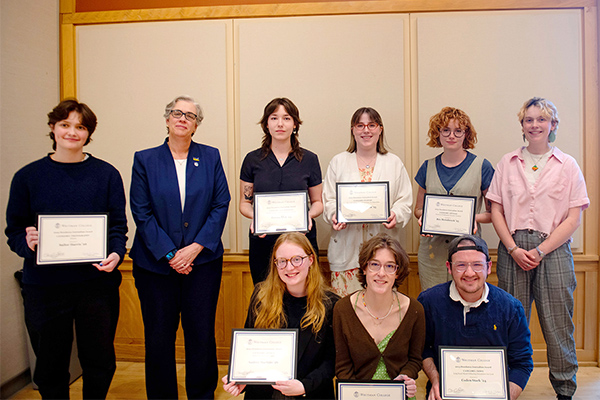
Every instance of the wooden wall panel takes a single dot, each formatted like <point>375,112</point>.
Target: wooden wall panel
<point>236,289</point>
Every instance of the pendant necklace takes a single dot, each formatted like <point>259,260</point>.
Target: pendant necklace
<point>535,162</point>
<point>380,319</point>
<point>367,165</point>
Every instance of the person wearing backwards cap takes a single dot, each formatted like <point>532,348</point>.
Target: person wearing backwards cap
<point>469,312</point>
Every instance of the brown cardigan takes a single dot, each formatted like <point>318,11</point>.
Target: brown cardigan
<point>357,354</point>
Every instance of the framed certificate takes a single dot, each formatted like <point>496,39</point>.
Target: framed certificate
<point>473,373</point>
<point>72,238</point>
<point>362,202</point>
<point>352,390</point>
<point>448,215</point>
<point>263,356</point>
<point>280,212</point>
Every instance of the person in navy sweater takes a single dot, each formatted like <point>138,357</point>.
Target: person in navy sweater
<point>468,312</point>
<point>179,201</point>
<point>58,295</point>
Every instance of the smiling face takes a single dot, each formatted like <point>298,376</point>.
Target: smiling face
<point>281,125</point>
<point>452,142</point>
<point>469,283</point>
<point>379,281</point>
<point>293,277</point>
<point>181,127</point>
<point>366,139</point>
<point>70,134</point>
<point>537,125</point>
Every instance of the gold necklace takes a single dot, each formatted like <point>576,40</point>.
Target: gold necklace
<point>380,319</point>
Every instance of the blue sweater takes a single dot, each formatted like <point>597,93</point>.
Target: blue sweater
<point>47,186</point>
<point>499,322</point>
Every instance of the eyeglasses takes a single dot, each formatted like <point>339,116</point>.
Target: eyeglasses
<point>296,261</point>
<point>460,266</point>
<point>375,266</point>
<point>372,126</point>
<point>190,116</point>
<point>445,132</point>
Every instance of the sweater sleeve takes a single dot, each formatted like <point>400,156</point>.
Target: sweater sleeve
<point>417,341</point>
<point>329,192</point>
<point>428,346</point>
<point>344,367</point>
<point>520,352</point>
<point>402,199</point>
<point>19,217</point>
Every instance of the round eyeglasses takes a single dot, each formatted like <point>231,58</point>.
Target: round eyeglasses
<point>190,116</point>
<point>375,266</point>
<point>296,261</point>
<point>371,126</point>
<point>445,132</point>
<point>460,266</point>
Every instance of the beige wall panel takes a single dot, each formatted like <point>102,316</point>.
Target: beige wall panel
<point>329,67</point>
<point>488,64</point>
<point>127,73</point>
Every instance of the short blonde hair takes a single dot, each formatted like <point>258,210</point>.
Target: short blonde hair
<point>548,110</point>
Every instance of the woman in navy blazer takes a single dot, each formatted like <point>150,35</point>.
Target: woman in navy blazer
<point>179,200</point>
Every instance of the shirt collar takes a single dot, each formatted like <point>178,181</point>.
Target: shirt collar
<point>454,295</point>
<point>556,153</point>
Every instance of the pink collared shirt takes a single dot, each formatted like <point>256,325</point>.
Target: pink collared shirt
<point>544,205</point>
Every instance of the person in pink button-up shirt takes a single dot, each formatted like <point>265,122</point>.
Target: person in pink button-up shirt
<point>538,194</point>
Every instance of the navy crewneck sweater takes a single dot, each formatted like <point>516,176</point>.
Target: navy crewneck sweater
<point>48,186</point>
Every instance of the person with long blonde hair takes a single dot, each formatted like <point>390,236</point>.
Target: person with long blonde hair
<point>295,295</point>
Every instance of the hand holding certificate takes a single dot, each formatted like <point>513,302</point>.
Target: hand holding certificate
<point>362,202</point>
<point>448,215</point>
<point>351,390</point>
<point>474,373</point>
<point>263,356</point>
<point>280,212</point>
<point>65,239</point>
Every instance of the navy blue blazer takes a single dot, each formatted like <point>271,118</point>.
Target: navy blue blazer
<point>156,205</point>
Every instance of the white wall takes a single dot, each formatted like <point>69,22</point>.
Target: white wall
<point>29,78</point>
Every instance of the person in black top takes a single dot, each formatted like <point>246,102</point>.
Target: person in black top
<point>279,165</point>
<point>55,296</point>
<point>295,295</point>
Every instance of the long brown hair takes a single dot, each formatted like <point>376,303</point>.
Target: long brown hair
<point>268,306</point>
<point>292,110</point>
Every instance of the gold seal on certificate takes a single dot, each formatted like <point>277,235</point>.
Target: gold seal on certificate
<point>72,238</point>
<point>362,202</point>
<point>448,215</point>
<point>263,356</point>
<point>474,373</point>
<point>280,212</point>
<point>352,390</point>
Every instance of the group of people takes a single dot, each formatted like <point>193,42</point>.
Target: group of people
<point>179,199</point>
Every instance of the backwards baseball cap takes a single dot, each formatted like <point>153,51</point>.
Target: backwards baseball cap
<point>478,244</point>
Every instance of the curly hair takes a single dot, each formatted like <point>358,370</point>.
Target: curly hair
<point>442,119</point>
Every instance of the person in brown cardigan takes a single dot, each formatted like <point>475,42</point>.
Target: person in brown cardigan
<point>379,333</point>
